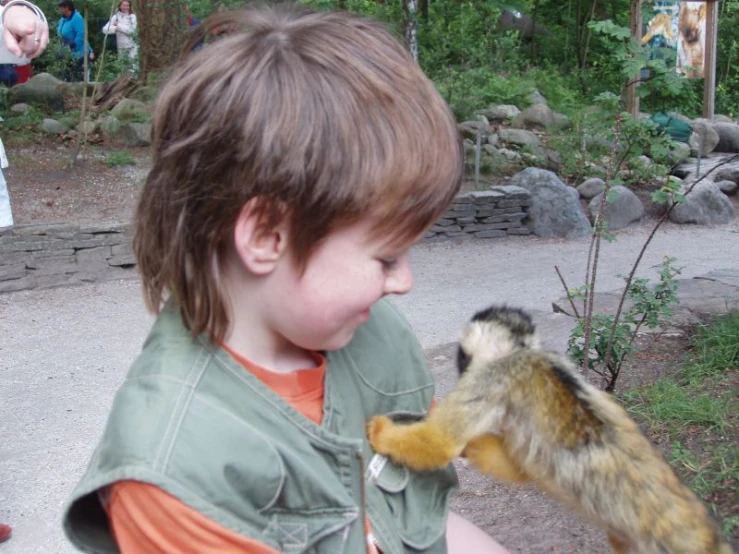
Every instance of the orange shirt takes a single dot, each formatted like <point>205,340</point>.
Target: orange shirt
<point>146,519</point>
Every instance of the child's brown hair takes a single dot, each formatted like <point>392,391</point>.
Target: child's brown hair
<point>322,119</point>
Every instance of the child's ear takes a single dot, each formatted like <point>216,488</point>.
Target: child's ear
<point>257,247</point>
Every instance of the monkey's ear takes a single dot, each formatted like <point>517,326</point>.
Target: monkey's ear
<point>258,247</point>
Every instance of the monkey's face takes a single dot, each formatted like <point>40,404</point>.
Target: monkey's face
<point>494,333</point>
<point>691,16</point>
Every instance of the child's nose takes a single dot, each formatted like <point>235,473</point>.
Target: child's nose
<point>400,279</point>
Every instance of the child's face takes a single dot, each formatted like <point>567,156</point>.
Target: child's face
<point>322,308</point>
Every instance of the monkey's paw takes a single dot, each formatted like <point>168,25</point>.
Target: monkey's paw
<point>378,430</point>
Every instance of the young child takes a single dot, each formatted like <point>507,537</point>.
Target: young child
<point>295,162</point>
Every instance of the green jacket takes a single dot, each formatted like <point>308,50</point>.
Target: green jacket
<point>190,420</point>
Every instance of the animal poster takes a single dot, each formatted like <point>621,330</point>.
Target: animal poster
<point>678,30</point>
<point>691,40</point>
<point>662,30</point>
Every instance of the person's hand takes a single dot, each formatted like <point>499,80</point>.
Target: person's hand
<point>24,34</point>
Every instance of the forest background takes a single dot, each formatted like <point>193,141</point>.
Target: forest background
<point>478,53</point>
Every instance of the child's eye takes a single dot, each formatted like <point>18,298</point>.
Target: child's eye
<point>388,264</point>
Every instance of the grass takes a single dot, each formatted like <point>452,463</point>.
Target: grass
<point>695,412</point>
<point>119,158</point>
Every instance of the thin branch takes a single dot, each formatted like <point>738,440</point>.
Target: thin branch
<point>643,250</point>
<point>567,291</point>
<point>599,222</point>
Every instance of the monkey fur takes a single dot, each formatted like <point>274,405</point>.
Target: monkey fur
<point>522,414</point>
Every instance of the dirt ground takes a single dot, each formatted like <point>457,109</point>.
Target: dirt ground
<point>44,189</point>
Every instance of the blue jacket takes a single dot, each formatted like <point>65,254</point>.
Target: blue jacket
<point>72,32</point>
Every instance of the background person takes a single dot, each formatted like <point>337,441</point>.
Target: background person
<point>123,25</point>
<point>71,31</point>
<point>25,35</point>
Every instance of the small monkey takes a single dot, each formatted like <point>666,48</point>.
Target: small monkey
<point>526,415</point>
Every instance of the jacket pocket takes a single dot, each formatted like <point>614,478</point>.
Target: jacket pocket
<point>311,531</point>
<point>418,504</point>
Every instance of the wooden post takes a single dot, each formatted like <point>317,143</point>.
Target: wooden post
<point>632,100</point>
<point>709,60</point>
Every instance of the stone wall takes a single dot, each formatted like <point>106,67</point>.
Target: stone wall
<point>41,256</point>
<point>493,213</point>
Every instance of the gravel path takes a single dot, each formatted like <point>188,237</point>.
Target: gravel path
<point>64,351</point>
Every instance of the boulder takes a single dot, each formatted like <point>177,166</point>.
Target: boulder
<point>728,137</point>
<point>535,97</point>
<point>623,207</point>
<point>510,155</point>
<point>536,116</point>
<point>561,122</point>
<point>501,112</point>
<point>678,152</point>
<point>109,125</point>
<point>703,130</point>
<point>52,127</point>
<point>591,188</point>
<point>704,205</point>
<point>88,127</point>
<point>46,79</point>
<point>470,129</point>
<point>729,188</point>
<point>555,208</point>
<point>519,137</point>
<point>20,108</point>
<point>723,118</point>
<point>134,134</point>
<point>729,172</point>
<point>128,109</point>
<point>37,92</point>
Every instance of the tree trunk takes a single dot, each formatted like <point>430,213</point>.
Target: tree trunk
<point>534,14</point>
<point>411,27</point>
<point>163,27</point>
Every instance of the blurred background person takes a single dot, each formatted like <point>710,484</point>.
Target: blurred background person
<point>124,25</point>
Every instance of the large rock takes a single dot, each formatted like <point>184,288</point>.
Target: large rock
<point>128,109</point>
<point>729,188</point>
<point>729,172</point>
<point>501,112</point>
<point>704,205</point>
<point>703,130</point>
<point>678,152</point>
<point>555,208</point>
<point>46,80</point>
<point>53,127</point>
<point>134,134</point>
<point>109,126</point>
<point>591,188</point>
<point>622,208</point>
<point>536,116</point>
<point>728,137</point>
<point>470,130</point>
<point>519,137</point>
<point>535,97</point>
<point>40,91</point>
